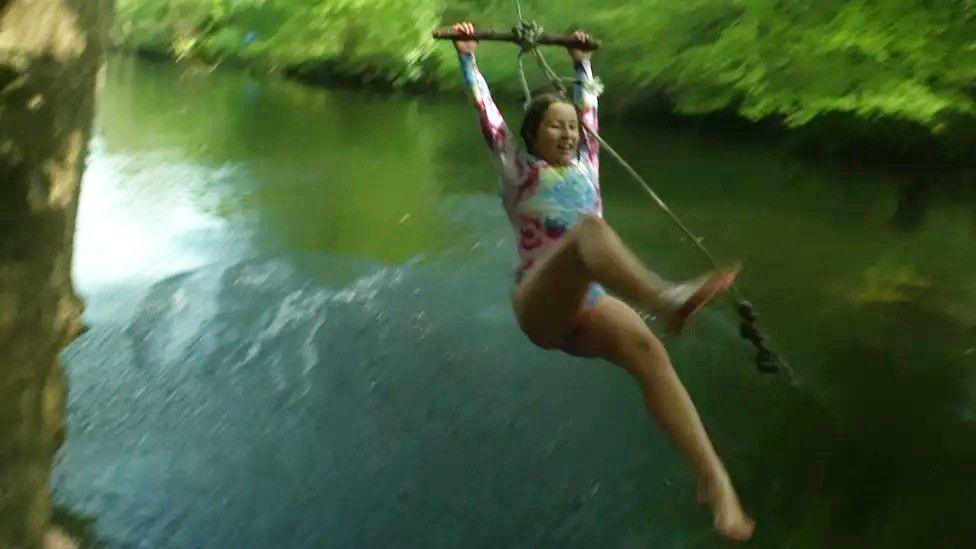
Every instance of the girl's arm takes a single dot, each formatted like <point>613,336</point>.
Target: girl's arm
<point>492,122</point>
<point>586,101</point>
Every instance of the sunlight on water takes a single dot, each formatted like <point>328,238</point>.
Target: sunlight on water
<point>138,218</point>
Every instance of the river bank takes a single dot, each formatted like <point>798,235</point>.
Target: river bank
<point>847,82</point>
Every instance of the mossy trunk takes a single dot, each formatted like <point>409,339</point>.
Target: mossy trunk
<point>51,52</point>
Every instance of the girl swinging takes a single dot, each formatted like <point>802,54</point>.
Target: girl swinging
<point>569,254</point>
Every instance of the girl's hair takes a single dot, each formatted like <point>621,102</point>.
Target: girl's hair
<point>536,111</point>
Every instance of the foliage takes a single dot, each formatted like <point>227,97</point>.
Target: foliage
<point>912,61</point>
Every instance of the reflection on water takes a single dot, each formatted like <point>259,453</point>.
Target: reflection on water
<point>140,220</point>
<point>300,336</point>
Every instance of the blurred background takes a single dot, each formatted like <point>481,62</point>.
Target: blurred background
<point>295,271</point>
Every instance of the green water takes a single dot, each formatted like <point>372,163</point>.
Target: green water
<point>300,337</point>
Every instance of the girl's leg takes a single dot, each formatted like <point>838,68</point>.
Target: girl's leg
<point>547,302</point>
<point>612,330</point>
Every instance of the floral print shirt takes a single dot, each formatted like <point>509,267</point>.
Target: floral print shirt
<point>542,201</point>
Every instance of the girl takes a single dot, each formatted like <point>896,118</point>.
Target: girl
<point>568,253</point>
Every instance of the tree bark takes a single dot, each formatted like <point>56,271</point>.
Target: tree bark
<point>51,52</point>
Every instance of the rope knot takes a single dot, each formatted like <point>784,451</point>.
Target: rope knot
<point>527,34</point>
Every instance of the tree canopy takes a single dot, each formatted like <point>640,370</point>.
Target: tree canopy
<point>910,61</point>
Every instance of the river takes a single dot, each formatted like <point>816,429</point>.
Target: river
<point>300,336</point>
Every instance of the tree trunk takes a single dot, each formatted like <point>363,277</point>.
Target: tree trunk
<point>51,52</point>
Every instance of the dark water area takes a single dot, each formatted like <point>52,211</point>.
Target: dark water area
<point>301,337</point>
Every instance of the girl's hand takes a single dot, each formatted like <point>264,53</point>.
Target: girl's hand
<point>578,54</point>
<point>464,46</point>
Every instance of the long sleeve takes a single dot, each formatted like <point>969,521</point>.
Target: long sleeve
<point>493,124</point>
<point>586,100</point>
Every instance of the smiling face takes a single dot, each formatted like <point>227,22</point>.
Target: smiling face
<point>558,135</point>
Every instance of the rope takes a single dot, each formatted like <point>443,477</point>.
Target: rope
<point>525,83</point>
<point>526,34</point>
<point>767,361</point>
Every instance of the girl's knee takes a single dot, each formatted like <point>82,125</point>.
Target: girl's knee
<point>643,351</point>
<point>639,342</point>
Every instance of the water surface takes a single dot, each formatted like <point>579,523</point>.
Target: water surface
<point>300,337</point>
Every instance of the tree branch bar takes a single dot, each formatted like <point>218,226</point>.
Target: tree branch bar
<point>447,33</point>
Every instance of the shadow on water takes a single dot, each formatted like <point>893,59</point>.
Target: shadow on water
<point>881,458</point>
<point>912,204</point>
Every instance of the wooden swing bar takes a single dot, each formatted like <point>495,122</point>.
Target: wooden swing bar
<point>447,33</point>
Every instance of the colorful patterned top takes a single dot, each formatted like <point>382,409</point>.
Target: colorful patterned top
<point>542,201</point>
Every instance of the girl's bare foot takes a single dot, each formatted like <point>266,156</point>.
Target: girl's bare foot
<point>692,296</point>
<point>730,520</point>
